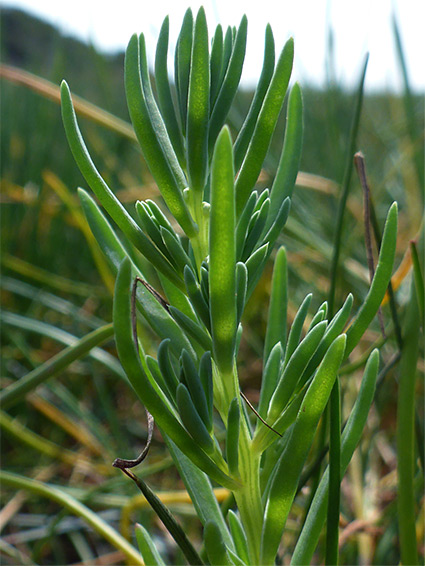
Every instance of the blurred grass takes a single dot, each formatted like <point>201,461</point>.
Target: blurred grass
<point>74,425</point>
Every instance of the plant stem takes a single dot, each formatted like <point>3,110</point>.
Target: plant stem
<point>406,434</point>
<point>248,498</point>
<point>332,534</point>
<point>200,240</point>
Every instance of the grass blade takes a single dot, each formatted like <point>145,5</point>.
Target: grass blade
<point>334,500</point>
<point>82,107</point>
<point>406,456</point>
<point>65,500</point>
<point>412,121</point>
<point>345,188</point>
<point>16,391</point>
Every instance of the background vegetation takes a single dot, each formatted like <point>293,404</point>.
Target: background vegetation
<point>56,287</point>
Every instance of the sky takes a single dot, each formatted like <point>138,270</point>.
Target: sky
<point>357,27</point>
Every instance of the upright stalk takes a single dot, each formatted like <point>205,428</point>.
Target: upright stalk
<point>248,497</point>
<point>406,434</point>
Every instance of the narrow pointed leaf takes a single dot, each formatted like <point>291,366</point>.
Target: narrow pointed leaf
<point>200,490</point>
<point>170,523</point>
<point>351,435</point>
<point>156,117</point>
<point>232,437</point>
<point>150,555</point>
<point>222,283</point>
<point>245,134</point>
<point>294,369</point>
<point>141,384</point>
<point>171,187</point>
<point>289,162</point>
<point>182,65</point>
<point>289,467</point>
<point>379,284</point>
<point>165,99</point>
<point>214,545</point>
<point>216,63</point>
<point>198,106</point>
<point>230,84</point>
<point>276,321</point>
<point>264,128</point>
<point>296,328</point>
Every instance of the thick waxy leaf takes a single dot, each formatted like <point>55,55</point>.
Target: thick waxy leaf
<point>216,63</point>
<point>170,523</point>
<point>294,369</point>
<point>351,435</point>
<point>276,322</point>
<point>214,545</point>
<point>107,198</point>
<point>239,536</point>
<point>163,90</point>
<point>380,281</point>
<point>147,547</point>
<point>264,127</point>
<point>286,477</point>
<point>200,490</point>
<point>270,378</point>
<point>192,420</point>
<point>289,162</point>
<point>230,83</point>
<point>198,106</point>
<point>161,161</point>
<point>222,278</point>
<point>131,363</point>
<point>244,136</point>
<point>296,328</point>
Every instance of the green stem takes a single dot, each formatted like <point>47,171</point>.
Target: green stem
<point>406,434</point>
<point>200,240</point>
<point>248,498</point>
<point>332,529</point>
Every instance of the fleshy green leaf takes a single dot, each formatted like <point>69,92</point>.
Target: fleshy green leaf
<point>198,106</point>
<point>222,280</point>
<point>160,163</point>
<point>289,467</point>
<point>264,127</point>
<point>163,90</point>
